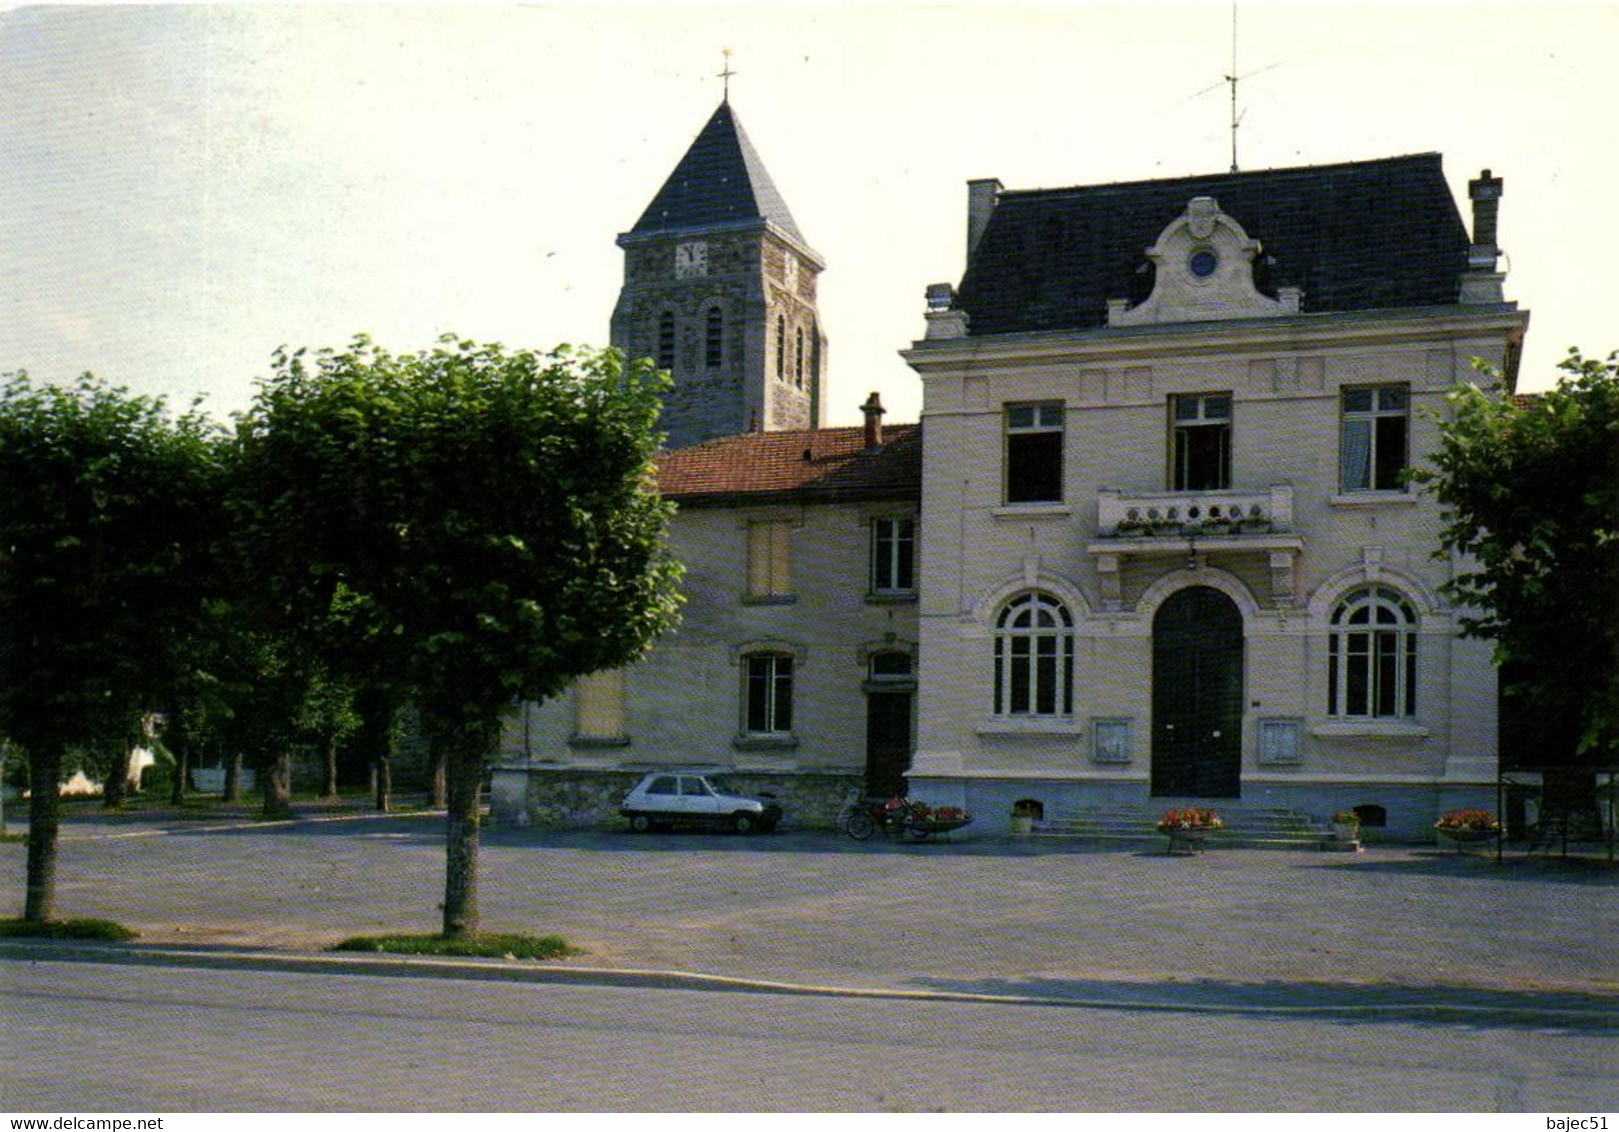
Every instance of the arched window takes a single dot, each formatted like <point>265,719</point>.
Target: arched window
<point>781,347</point>
<point>714,353</point>
<point>798,360</point>
<point>666,341</point>
<point>1034,657</point>
<point>1372,656</point>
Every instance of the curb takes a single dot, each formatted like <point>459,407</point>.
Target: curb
<point>510,971</point>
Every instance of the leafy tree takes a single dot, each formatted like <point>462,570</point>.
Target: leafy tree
<point>1532,492</point>
<point>483,518</point>
<point>101,496</point>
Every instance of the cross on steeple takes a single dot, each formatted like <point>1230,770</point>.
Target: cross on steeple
<point>726,75</point>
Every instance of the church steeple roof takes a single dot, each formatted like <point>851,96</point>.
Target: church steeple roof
<point>720,180</point>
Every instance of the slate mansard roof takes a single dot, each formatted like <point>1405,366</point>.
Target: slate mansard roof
<point>1364,235</point>
<point>721,180</point>
<point>821,464</point>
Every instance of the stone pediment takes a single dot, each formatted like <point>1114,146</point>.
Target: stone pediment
<point>1204,270</point>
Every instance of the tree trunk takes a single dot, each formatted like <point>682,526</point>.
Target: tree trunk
<point>462,754</point>
<point>277,773</point>
<point>330,790</point>
<point>379,735</point>
<point>437,776</point>
<point>182,771</point>
<point>44,810</point>
<point>5,752</point>
<point>233,778</point>
<point>385,784</point>
<point>116,788</point>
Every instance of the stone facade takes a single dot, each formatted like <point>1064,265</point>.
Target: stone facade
<point>686,703</point>
<point>1159,548</point>
<point>1116,539</point>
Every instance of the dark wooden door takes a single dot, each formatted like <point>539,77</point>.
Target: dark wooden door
<point>888,742</point>
<point>1197,696</point>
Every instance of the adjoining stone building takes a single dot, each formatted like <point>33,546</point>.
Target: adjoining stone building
<point>1158,548</point>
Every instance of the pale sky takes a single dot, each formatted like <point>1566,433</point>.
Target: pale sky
<point>183,189</point>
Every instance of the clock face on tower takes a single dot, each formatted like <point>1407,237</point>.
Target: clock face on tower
<point>691,259</point>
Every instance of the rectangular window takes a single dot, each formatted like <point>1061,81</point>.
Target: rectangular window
<point>1034,453</point>
<point>893,556</point>
<point>768,560</point>
<point>598,705</point>
<point>770,694</point>
<point>1374,438</point>
<point>1200,442</point>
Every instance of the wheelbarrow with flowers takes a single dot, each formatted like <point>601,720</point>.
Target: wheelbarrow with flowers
<point>898,818</point>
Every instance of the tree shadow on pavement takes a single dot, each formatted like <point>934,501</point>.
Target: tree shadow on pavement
<point>1347,1003</point>
<point>1586,871</point>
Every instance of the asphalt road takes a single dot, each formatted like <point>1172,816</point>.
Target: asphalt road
<point>85,1037</point>
<point>987,916</point>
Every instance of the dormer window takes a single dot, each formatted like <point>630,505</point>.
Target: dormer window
<point>1203,263</point>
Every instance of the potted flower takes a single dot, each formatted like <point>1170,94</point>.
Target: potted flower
<point>1188,827</point>
<point>1463,826</point>
<point>1132,525</point>
<point>1215,523</point>
<point>1346,825</point>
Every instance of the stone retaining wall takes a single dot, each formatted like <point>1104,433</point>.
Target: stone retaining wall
<point>582,798</point>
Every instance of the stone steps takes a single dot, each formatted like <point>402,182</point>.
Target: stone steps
<point>1258,828</point>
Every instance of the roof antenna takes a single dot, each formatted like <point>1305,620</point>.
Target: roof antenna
<point>1236,119</point>
<point>726,75</point>
<point>1231,80</point>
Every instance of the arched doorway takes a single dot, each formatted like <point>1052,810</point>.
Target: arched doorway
<point>1197,695</point>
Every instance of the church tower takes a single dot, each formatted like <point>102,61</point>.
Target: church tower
<point>719,289</point>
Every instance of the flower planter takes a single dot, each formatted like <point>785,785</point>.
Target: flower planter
<point>1022,825</point>
<point>1191,839</point>
<point>1465,837</point>
<point>1345,830</point>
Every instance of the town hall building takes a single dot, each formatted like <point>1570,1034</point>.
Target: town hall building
<point>1152,542</point>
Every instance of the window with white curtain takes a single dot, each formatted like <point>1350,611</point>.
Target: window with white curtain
<point>1374,441</point>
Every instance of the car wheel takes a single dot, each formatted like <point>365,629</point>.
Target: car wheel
<point>640,823</point>
<point>744,823</point>
<point>859,825</point>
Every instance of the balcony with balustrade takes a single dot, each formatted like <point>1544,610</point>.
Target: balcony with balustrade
<point>1190,524</point>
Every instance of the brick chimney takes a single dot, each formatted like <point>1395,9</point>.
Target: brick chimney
<point>873,408</point>
<point>1486,194</point>
<point>981,198</point>
<point>1481,282</point>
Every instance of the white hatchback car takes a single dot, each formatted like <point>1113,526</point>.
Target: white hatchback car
<point>687,797</point>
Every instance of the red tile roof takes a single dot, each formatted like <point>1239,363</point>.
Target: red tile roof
<point>828,464</point>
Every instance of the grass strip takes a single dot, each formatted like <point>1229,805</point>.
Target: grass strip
<point>492,945</point>
<point>66,929</point>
